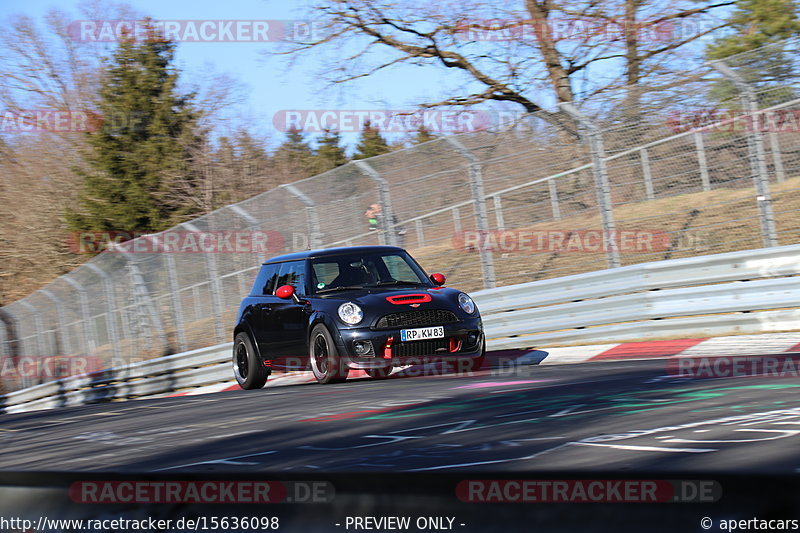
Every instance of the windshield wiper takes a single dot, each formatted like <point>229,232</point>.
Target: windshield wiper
<point>344,288</point>
<point>398,282</point>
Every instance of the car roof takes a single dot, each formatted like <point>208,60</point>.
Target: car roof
<point>325,252</point>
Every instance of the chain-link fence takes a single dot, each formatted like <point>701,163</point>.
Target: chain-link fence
<point>538,200</point>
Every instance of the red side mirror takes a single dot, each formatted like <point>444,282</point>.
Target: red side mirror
<point>285,292</point>
<point>438,279</point>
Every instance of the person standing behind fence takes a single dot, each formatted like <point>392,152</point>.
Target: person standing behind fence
<point>372,215</point>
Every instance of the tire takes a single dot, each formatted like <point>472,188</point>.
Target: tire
<point>324,358</point>
<point>379,373</point>
<point>247,368</point>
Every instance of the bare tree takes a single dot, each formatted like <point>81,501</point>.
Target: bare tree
<point>530,53</point>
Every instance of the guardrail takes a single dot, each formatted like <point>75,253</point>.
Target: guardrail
<point>754,291</point>
<point>195,368</point>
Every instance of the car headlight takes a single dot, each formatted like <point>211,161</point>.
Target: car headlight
<point>350,313</point>
<point>466,303</point>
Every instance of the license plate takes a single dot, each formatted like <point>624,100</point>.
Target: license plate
<point>418,334</point>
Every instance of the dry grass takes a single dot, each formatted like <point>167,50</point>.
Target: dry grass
<point>717,221</point>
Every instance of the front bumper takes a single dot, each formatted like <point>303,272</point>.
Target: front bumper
<point>462,340</point>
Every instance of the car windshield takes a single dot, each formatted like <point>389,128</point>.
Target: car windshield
<point>358,271</point>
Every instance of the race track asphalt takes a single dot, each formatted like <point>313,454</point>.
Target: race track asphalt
<point>602,416</point>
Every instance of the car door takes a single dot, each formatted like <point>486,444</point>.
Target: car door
<point>262,304</point>
<point>290,318</point>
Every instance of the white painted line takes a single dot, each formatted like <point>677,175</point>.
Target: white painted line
<point>225,461</point>
<point>766,344</point>
<point>574,354</point>
<point>496,461</point>
<point>646,448</point>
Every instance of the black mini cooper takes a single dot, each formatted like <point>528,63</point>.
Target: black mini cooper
<point>366,307</point>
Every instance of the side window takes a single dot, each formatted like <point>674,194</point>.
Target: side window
<point>324,274</point>
<point>399,269</point>
<point>265,282</point>
<point>292,273</point>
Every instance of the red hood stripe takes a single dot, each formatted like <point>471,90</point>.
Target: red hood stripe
<point>409,299</point>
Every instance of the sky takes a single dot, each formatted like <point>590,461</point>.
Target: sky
<point>270,84</point>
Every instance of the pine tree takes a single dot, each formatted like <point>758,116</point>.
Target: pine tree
<point>371,143</point>
<point>253,161</point>
<point>422,135</point>
<point>756,24</point>
<point>139,157</point>
<point>329,153</point>
<point>294,159</point>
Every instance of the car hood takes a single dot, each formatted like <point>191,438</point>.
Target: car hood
<point>376,297</point>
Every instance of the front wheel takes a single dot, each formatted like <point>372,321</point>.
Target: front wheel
<point>248,370</point>
<point>326,364</point>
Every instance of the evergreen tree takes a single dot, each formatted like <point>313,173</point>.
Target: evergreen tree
<point>294,159</point>
<point>756,24</point>
<point>329,153</point>
<point>422,135</point>
<point>371,143</point>
<point>139,157</point>
<point>253,158</point>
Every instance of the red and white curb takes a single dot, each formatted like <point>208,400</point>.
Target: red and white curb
<point>736,345</point>
<point>772,343</point>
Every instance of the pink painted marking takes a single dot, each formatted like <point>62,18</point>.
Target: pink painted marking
<point>488,384</point>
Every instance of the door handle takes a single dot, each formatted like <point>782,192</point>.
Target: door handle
<point>264,307</point>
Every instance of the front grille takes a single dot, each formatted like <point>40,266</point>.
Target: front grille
<point>419,318</point>
<point>421,348</point>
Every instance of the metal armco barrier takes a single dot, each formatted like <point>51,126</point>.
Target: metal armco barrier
<point>186,370</point>
<point>755,291</point>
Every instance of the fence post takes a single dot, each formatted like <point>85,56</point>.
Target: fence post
<point>66,342</point>
<point>647,173</point>
<point>701,160</point>
<point>555,207</point>
<point>315,233</point>
<point>385,201</point>
<point>10,320</point>
<point>498,213</point>
<point>456,220</point>
<point>214,286</point>
<point>420,233</point>
<point>777,157</point>
<point>89,340</point>
<point>758,159</point>
<point>116,357</point>
<point>481,216</point>
<point>602,187</point>
<point>141,298</point>
<point>252,222</point>
<point>37,323</point>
